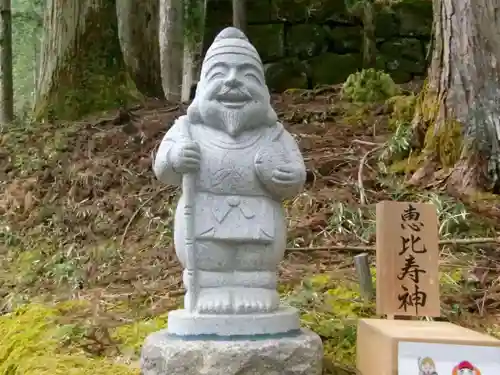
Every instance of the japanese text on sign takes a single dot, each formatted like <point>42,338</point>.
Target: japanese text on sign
<point>407,259</point>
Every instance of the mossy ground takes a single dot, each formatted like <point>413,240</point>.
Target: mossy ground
<point>83,220</point>
<point>32,341</point>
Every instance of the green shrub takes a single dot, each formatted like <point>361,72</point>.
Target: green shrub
<point>368,86</point>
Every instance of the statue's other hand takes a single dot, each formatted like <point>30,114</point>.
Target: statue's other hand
<point>186,157</point>
<point>287,175</point>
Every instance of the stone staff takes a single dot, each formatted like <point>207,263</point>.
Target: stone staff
<point>189,191</point>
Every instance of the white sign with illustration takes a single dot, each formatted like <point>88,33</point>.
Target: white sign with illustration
<point>420,358</point>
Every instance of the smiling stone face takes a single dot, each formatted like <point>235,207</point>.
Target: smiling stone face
<point>232,94</point>
<point>233,82</point>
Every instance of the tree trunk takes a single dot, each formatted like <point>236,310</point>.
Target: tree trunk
<point>7,87</point>
<point>369,40</point>
<point>171,48</point>
<point>138,28</point>
<point>457,120</point>
<point>194,27</point>
<point>240,15</point>
<point>81,63</point>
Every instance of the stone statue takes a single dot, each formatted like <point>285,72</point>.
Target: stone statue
<point>235,163</point>
<point>243,163</point>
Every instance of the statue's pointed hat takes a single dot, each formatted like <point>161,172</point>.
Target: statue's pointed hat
<point>232,41</point>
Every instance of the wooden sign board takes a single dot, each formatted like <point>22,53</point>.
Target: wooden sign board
<point>405,347</point>
<point>407,259</point>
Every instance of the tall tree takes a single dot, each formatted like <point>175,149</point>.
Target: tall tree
<point>181,40</point>
<point>171,37</point>
<point>457,119</point>
<point>193,26</point>
<point>7,87</point>
<point>81,63</point>
<point>138,23</point>
<point>365,10</point>
<point>240,14</point>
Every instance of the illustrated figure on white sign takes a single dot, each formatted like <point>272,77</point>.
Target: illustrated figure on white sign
<point>426,366</point>
<point>465,368</point>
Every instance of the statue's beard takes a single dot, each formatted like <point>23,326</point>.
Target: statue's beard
<point>235,121</point>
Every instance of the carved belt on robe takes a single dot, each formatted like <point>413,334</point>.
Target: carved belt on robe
<point>233,203</point>
<point>245,218</point>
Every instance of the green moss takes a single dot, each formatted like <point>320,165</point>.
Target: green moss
<point>407,165</point>
<point>402,110</point>
<point>427,103</point>
<point>446,142</point>
<point>31,339</point>
<point>398,154</point>
<point>451,277</point>
<point>485,197</point>
<point>369,85</point>
<point>131,336</point>
<point>23,268</point>
<point>331,308</point>
<point>443,141</point>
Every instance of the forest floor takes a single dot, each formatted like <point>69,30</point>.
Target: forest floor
<point>87,261</point>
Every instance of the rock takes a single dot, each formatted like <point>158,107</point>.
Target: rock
<point>268,39</point>
<point>286,74</point>
<point>301,354</point>
<point>308,10</point>
<point>219,12</point>
<point>403,58</point>
<point>332,68</point>
<point>414,16</point>
<point>345,39</point>
<point>306,40</point>
<point>290,10</point>
<point>386,23</point>
<point>219,15</point>
<point>400,76</point>
<point>409,48</point>
<point>258,11</point>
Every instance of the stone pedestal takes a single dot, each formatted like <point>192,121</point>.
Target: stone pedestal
<point>184,323</point>
<point>300,353</point>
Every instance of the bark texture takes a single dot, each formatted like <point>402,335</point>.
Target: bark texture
<point>240,14</point>
<point>81,64</point>
<point>369,39</point>
<point>456,123</point>
<point>6,84</point>
<point>194,25</point>
<point>171,37</point>
<point>138,27</point>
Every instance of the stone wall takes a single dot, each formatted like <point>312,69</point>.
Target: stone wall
<point>305,43</point>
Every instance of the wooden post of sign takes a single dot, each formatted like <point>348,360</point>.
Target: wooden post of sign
<point>362,266</point>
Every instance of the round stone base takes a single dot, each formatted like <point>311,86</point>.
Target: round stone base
<point>301,354</point>
<point>183,323</point>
